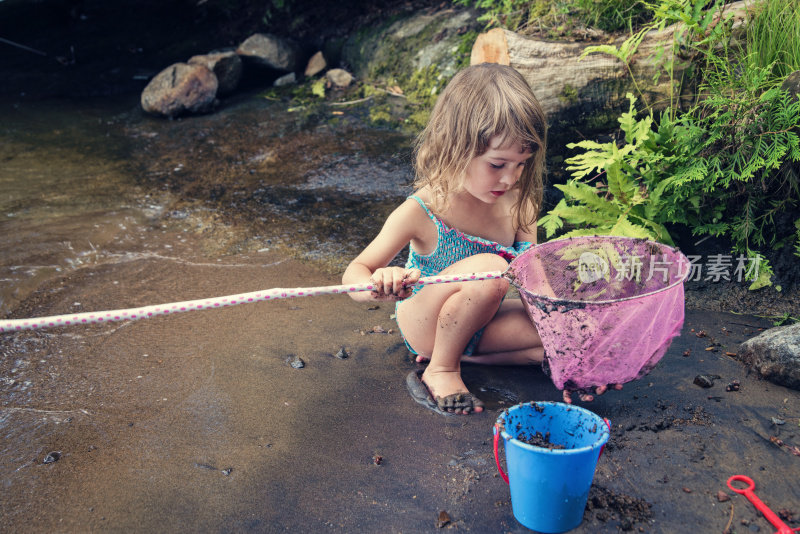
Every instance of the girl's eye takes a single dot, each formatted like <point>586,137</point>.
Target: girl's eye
<point>492,165</point>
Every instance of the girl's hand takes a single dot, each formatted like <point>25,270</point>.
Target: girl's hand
<point>393,283</point>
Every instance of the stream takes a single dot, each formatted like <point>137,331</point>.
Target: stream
<point>88,182</point>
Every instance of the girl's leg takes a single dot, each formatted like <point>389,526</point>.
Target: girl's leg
<point>440,320</point>
<point>510,338</point>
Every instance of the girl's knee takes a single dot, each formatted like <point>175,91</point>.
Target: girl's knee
<point>486,291</point>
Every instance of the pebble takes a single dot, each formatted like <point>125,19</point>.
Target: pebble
<point>722,496</point>
<point>296,362</point>
<point>443,520</point>
<point>52,457</point>
<point>342,354</point>
<point>705,381</point>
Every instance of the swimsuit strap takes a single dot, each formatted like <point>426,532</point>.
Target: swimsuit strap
<point>433,217</point>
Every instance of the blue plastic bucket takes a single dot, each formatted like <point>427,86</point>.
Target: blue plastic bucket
<point>550,481</point>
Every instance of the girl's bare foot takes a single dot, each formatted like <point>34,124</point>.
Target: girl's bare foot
<point>450,393</point>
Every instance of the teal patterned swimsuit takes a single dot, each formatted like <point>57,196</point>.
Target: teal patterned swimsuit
<point>451,246</point>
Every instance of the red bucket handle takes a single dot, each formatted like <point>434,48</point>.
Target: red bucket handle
<point>497,455</point>
<point>608,424</point>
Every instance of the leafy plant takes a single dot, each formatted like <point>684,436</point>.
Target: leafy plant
<point>561,15</point>
<point>727,167</point>
<point>777,50</point>
<point>628,196</point>
<point>508,13</point>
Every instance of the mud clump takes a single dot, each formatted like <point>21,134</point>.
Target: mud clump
<point>607,505</point>
<point>539,440</point>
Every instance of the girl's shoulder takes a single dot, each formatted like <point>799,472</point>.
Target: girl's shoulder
<point>412,213</point>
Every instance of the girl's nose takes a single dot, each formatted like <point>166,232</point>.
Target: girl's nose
<point>511,176</point>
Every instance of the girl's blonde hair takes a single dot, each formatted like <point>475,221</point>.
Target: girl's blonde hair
<point>479,103</point>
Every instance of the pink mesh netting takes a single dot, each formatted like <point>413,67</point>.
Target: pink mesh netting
<point>605,307</point>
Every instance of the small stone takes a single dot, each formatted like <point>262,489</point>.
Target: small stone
<point>286,79</point>
<point>227,471</point>
<point>296,362</point>
<point>722,496</point>
<point>377,459</point>
<point>339,77</point>
<point>705,381</point>
<point>786,514</point>
<point>687,490</point>
<point>342,354</point>
<point>377,330</point>
<point>733,386</point>
<point>443,520</point>
<point>52,457</point>
<point>316,64</point>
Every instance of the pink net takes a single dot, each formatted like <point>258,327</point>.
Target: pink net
<point>605,307</point>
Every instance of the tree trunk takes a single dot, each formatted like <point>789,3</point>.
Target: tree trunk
<point>564,83</point>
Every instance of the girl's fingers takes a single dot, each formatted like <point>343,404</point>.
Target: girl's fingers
<point>399,285</point>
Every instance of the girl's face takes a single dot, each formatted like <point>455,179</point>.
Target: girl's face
<point>496,171</point>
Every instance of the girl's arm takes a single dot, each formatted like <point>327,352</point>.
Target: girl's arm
<point>406,223</point>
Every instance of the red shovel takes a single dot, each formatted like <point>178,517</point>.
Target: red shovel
<point>771,516</point>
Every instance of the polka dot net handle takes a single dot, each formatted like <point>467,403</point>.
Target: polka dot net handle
<point>131,314</point>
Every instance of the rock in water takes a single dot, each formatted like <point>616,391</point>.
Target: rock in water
<point>180,88</point>
<point>775,355</point>
<point>226,66</point>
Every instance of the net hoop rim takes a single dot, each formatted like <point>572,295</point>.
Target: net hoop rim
<point>675,250</point>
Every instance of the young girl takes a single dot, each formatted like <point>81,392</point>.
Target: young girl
<point>479,166</point>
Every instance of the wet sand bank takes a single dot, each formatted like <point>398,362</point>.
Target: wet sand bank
<point>198,422</point>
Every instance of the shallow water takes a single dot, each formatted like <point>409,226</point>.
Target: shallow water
<point>67,192</point>
<point>85,182</point>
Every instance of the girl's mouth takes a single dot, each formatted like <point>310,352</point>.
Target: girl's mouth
<point>498,193</point>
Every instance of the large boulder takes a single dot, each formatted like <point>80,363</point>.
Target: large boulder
<point>269,50</point>
<point>775,354</point>
<point>181,88</point>
<point>226,66</point>
<point>400,48</point>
